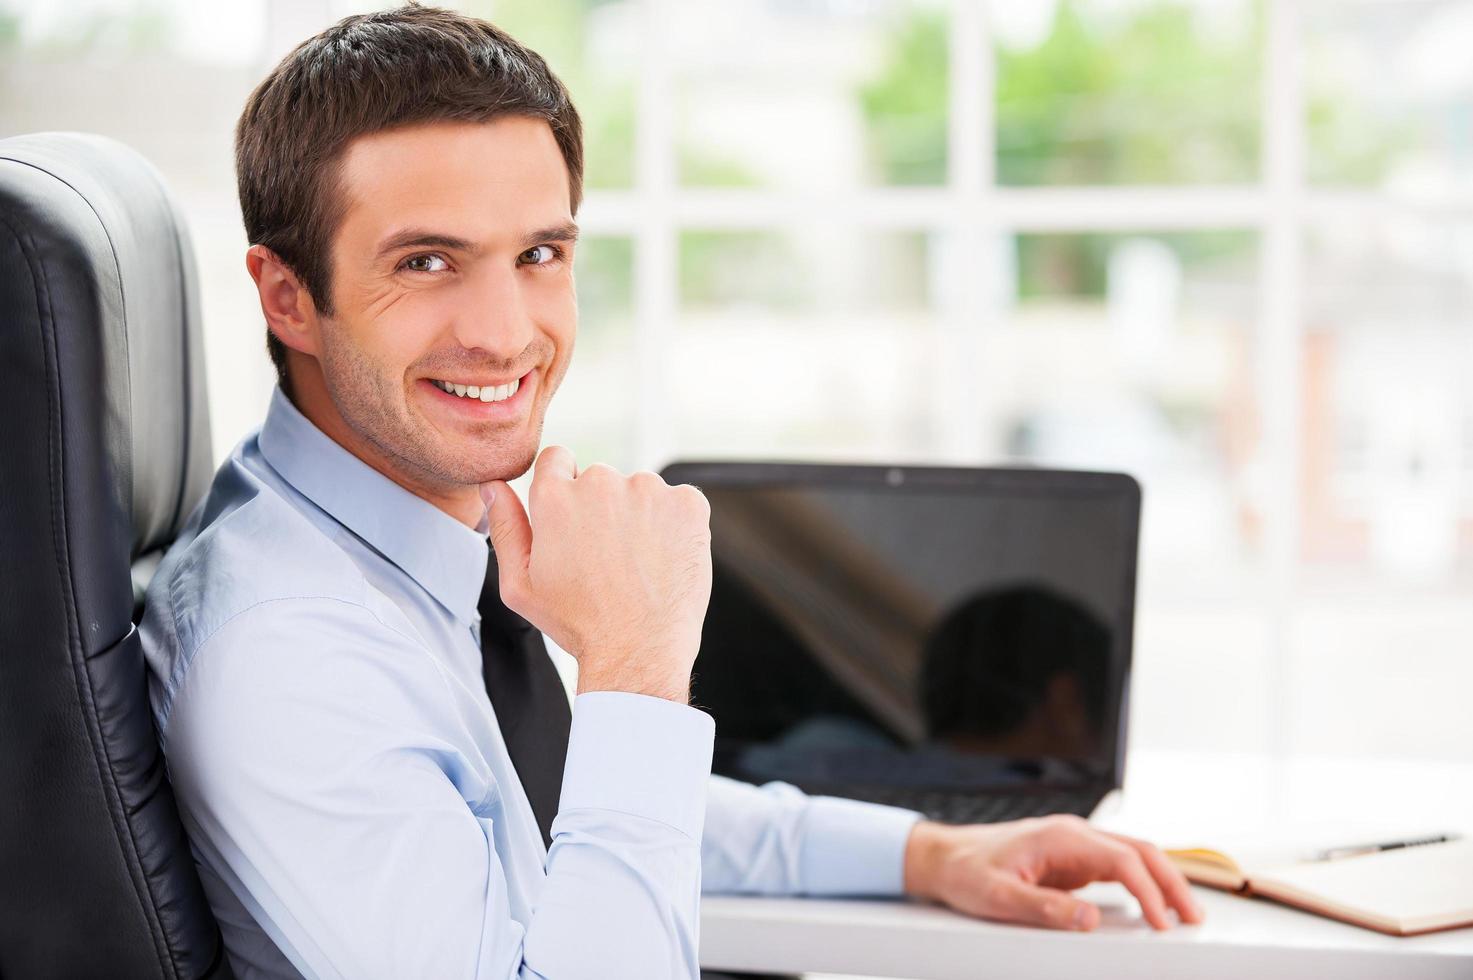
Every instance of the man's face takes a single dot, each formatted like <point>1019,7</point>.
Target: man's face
<point>452,267</point>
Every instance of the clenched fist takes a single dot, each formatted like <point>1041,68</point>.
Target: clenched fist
<point>616,569</point>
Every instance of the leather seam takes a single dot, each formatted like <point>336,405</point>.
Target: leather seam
<point>57,504</point>
<point>123,306</point>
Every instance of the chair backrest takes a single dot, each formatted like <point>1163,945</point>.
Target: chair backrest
<point>106,449</point>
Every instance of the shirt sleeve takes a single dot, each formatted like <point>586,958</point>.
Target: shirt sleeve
<point>775,840</point>
<point>315,756</point>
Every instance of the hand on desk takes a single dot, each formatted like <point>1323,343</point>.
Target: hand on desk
<point>1023,871</point>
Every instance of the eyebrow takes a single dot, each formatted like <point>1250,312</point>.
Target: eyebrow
<point>566,232</point>
<point>426,238</point>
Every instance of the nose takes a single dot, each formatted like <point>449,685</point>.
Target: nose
<point>494,317</point>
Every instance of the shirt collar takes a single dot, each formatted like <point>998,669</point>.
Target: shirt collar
<point>444,556</point>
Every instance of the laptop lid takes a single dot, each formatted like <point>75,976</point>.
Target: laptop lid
<point>882,628</point>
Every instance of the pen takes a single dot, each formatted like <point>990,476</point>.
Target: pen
<point>1352,850</point>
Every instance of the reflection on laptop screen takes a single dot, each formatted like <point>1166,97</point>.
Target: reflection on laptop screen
<point>929,634</point>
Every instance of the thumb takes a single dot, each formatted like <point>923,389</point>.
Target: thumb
<point>1052,908</point>
<point>511,536</point>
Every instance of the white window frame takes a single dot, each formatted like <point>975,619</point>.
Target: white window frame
<point>976,214</point>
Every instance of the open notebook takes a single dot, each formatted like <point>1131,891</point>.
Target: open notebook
<point>1402,892</point>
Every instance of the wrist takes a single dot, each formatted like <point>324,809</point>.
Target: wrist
<point>669,686</point>
<point>925,853</point>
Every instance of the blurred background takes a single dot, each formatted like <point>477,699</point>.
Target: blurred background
<point>1224,245</point>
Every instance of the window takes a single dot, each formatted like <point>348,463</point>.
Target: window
<point>1226,245</point>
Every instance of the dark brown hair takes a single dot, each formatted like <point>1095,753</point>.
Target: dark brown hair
<point>367,73</point>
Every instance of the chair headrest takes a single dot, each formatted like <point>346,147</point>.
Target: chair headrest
<point>102,398</point>
<point>98,282</point>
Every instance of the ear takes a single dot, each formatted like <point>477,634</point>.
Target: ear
<point>287,305</point>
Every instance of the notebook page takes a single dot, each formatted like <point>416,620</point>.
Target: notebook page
<point>1413,886</point>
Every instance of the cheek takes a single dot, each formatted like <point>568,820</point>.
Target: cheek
<point>405,332</point>
<point>555,311</point>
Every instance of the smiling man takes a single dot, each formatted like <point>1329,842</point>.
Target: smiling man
<point>378,782</point>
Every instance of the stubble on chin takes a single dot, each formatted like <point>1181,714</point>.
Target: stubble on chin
<point>503,462</point>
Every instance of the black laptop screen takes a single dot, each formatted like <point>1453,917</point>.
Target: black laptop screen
<point>873,634</point>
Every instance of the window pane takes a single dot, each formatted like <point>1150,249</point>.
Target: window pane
<point>813,344</point>
<point>1379,640</point>
<point>1374,671</point>
<point>595,410</point>
<point>1135,352</point>
<point>1388,441</point>
<point>1128,92</point>
<point>1390,95</point>
<point>818,96</point>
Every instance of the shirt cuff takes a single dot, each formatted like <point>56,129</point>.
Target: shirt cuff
<point>854,848</point>
<point>640,755</point>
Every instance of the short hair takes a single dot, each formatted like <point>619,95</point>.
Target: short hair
<point>368,73</point>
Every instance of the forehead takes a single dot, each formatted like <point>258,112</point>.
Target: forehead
<point>480,178</point>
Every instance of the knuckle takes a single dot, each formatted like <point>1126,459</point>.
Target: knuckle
<point>1058,825</point>
<point>1128,862</point>
<point>598,473</point>
<point>694,499</point>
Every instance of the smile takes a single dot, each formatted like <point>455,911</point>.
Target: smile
<point>486,394</point>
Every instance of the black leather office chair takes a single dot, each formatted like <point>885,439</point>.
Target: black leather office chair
<point>106,448</point>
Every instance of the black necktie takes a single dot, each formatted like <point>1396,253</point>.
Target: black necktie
<point>529,698</point>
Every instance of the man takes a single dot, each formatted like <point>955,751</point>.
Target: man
<point>357,804</point>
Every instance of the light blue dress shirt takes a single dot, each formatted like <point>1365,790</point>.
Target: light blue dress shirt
<point>316,683</point>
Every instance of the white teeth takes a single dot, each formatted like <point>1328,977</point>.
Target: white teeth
<point>485,393</point>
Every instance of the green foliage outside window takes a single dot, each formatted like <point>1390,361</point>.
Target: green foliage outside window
<point>1075,265</point>
<point>9,29</point>
<point>558,30</point>
<point>1150,100</point>
<point>905,106</point>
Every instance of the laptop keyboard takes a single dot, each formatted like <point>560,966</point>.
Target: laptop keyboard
<point>984,808</point>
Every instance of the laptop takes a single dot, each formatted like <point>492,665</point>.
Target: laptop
<point>952,640</point>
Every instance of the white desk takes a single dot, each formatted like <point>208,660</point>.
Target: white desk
<point>1166,795</point>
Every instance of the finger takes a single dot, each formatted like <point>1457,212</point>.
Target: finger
<point>1018,901</point>
<point>555,463</point>
<point>1173,883</point>
<point>1130,870</point>
<point>511,536</point>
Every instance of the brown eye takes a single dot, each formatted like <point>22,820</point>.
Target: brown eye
<point>538,255</point>
<point>424,263</point>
